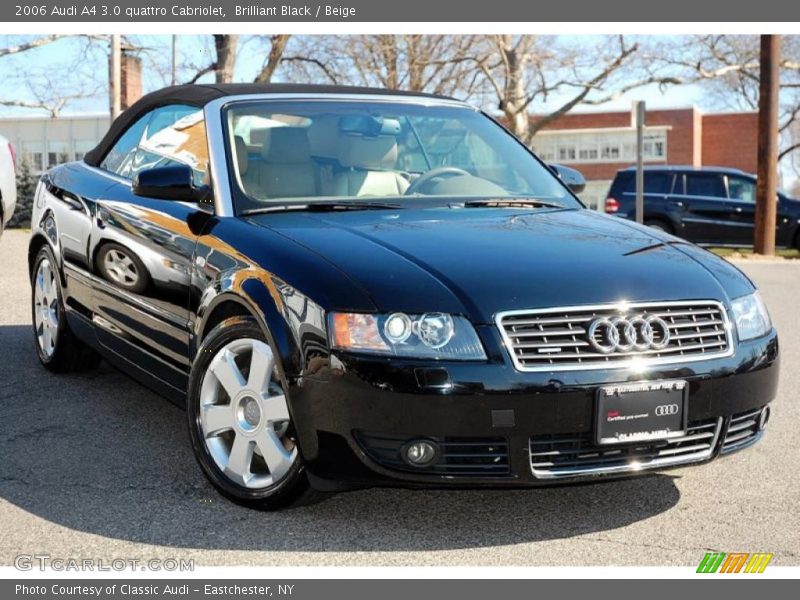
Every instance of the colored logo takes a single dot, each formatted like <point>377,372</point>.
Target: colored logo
<point>737,562</point>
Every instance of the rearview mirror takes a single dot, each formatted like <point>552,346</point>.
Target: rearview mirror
<point>175,182</point>
<point>572,177</point>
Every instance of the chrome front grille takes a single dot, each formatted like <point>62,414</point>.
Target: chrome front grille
<point>574,455</point>
<point>743,430</point>
<point>564,338</point>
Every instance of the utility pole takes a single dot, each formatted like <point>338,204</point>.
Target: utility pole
<point>174,59</point>
<point>115,83</point>
<point>640,113</point>
<point>767,187</point>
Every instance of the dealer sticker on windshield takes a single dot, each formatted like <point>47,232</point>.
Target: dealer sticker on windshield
<point>641,411</point>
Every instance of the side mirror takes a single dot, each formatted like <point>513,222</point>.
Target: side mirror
<point>174,182</point>
<point>572,177</point>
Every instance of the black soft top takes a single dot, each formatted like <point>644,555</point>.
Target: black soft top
<point>201,94</point>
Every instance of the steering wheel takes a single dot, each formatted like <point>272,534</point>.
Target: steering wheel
<point>418,183</point>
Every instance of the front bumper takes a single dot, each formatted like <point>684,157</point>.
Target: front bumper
<point>498,427</point>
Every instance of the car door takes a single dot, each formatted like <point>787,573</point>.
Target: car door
<point>788,222</point>
<point>143,251</point>
<point>742,201</point>
<point>657,189</point>
<point>705,216</point>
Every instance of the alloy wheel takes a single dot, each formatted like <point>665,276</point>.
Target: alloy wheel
<point>244,416</point>
<point>121,268</point>
<point>45,312</point>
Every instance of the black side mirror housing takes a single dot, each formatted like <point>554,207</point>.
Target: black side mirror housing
<point>174,182</point>
<point>572,177</point>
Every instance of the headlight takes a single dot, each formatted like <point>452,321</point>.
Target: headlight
<point>752,318</point>
<point>431,335</point>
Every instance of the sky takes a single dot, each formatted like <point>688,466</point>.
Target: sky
<point>18,71</point>
<point>70,63</point>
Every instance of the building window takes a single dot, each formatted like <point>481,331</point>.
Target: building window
<point>598,146</point>
<point>57,153</point>
<point>82,147</point>
<point>33,154</point>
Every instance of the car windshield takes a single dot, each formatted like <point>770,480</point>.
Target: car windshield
<point>306,152</point>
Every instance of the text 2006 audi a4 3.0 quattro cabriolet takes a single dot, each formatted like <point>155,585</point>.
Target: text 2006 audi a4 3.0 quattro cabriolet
<point>353,287</point>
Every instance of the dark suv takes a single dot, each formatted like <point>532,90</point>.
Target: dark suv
<point>708,205</point>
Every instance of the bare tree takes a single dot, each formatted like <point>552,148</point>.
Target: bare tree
<point>523,73</point>
<point>439,64</point>
<point>225,46</point>
<point>727,66</point>
<point>513,73</point>
<point>273,56</point>
<point>221,53</point>
<point>41,87</point>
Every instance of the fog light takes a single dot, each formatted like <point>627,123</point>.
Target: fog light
<point>763,419</point>
<point>420,453</point>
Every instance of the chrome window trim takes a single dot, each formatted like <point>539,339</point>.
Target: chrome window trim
<point>656,463</point>
<point>218,167</point>
<point>636,362</point>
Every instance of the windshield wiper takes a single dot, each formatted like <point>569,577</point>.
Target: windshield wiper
<point>512,203</point>
<point>323,207</point>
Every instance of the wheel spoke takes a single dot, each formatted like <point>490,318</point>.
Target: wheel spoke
<point>239,460</point>
<point>216,419</point>
<point>47,279</point>
<point>47,337</point>
<point>261,365</point>
<point>227,373</point>
<point>275,408</point>
<point>277,457</point>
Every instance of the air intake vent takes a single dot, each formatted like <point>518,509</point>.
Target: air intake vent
<point>615,336</point>
<point>576,454</point>
<point>462,457</point>
<point>743,430</point>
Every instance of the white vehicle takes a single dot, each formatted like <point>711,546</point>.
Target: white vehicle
<point>8,182</point>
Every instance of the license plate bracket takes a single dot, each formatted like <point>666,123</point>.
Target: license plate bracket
<point>641,411</point>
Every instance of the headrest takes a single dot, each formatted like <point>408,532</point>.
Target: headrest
<point>362,152</point>
<point>242,160</point>
<point>286,145</point>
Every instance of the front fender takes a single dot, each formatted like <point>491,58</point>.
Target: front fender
<point>293,323</point>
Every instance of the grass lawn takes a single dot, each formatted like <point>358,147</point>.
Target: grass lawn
<point>791,253</point>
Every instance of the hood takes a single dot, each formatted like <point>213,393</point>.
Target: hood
<point>480,261</point>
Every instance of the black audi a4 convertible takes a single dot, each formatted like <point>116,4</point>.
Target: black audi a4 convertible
<point>351,287</point>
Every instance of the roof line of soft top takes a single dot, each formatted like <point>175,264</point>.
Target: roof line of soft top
<point>201,94</point>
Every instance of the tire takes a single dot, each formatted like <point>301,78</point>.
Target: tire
<point>121,267</point>
<point>659,226</point>
<point>239,421</point>
<point>57,347</point>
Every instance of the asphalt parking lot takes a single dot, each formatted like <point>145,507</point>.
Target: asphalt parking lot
<point>97,466</point>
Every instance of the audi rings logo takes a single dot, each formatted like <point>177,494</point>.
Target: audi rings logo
<point>665,410</point>
<point>628,334</point>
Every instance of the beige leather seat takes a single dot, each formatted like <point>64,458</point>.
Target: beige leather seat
<point>285,169</point>
<point>242,156</point>
<point>367,163</point>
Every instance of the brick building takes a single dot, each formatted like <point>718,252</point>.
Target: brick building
<point>600,143</point>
